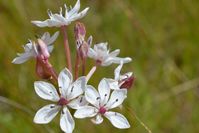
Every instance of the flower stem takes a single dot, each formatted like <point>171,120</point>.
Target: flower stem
<point>66,47</point>
<point>77,63</point>
<point>91,73</point>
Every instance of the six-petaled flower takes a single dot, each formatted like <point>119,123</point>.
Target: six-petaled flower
<point>70,96</point>
<point>100,104</point>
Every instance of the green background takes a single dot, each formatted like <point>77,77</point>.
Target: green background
<point>160,35</point>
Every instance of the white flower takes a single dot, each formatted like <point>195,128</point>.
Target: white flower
<point>59,20</point>
<point>119,80</point>
<point>101,104</point>
<point>101,55</point>
<point>31,49</point>
<point>69,97</point>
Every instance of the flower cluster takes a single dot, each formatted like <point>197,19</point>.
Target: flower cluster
<point>73,92</point>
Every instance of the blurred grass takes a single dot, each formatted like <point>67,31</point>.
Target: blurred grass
<point>161,37</point>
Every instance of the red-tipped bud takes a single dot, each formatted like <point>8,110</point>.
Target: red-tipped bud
<point>80,33</point>
<point>127,82</point>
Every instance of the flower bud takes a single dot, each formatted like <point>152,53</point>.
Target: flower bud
<point>40,69</point>
<point>127,82</point>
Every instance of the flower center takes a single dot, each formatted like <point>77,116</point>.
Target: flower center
<point>98,62</point>
<point>102,110</point>
<point>62,101</point>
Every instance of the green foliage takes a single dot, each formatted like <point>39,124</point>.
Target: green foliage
<point>161,37</point>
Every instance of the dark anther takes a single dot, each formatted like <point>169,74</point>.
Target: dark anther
<point>98,98</point>
<point>52,106</point>
<point>81,99</point>
<point>105,95</point>
<point>62,112</point>
<point>50,92</point>
<point>116,100</point>
<point>72,89</point>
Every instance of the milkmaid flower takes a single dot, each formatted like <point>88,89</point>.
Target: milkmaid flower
<point>100,105</point>
<point>58,20</point>
<point>70,97</point>
<point>33,49</point>
<point>100,53</point>
<point>121,81</point>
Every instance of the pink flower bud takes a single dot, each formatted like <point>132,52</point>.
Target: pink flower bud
<point>40,69</point>
<point>42,50</point>
<point>127,82</point>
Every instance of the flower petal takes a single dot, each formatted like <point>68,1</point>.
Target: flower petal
<point>75,9</point>
<point>117,71</point>
<point>22,58</point>
<point>77,88</point>
<point>117,98</point>
<point>117,119</point>
<point>78,102</point>
<point>86,111</point>
<point>104,91</point>
<point>92,96</point>
<point>49,40</point>
<point>114,53</point>
<point>113,84</point>
<point>65,79</point>
<point>40,23</point>
<point>117,60</point>
<point>79,15</point>
<point>46,114</point>
<point>46,91</point>
<point>67,123</point>
<point>98,119</point>
<point>92,53</point>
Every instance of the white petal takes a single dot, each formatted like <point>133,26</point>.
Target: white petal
<point>50,48</point>
<point>22,58</point>
<point>104,91</point>
<point>75,9</point>
<point>77,88</point>
<point>98,119</point>
<point>117,119</point>
<point>78,102</point>
<point>40,23</point>
<point>46,91</point>
<point>117,71</point>
<point>67,123</point>
<point>115,53</point>
<point>46,114</point>
<point>117,60</point>
<point>117,98</point>
<point>65,79</point>
<point>92,96</point>
<point>113,84</point>
<point>79,15</point>
<point>86,111</point>
<point>49,40</point>
<point>92,53</point>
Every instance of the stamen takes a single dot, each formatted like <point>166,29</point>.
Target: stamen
<point>52,106</point>
<point>81,99</point>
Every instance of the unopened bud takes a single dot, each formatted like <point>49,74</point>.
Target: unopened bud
<point>127,82</point>
<point>80,33</point>
<point>40,69</point>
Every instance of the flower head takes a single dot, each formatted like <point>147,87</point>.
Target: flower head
<point>70,96</point>
<point>121,81</point>
<point>40,49</point>
<point>58,20</point>
<point>101,55</point>
<point>100,104</point>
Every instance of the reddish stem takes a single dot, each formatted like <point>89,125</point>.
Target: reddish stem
<point>66,47</point>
